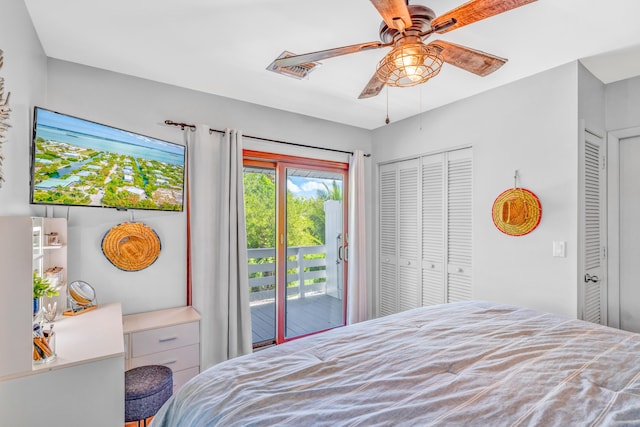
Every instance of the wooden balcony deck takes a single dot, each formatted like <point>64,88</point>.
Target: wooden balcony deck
<point>304,315</point>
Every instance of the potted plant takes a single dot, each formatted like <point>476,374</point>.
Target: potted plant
<point>41,288</point>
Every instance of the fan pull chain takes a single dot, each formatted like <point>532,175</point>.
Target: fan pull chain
<point>420,108</point>
<point>387,121</point>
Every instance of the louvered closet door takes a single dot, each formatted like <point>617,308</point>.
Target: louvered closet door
<point>409,235</point>
<point>425,231</point>
<point>594,280</point>
<point>459,222</point>
<point>399,237</point>
<point>433,230</point>
<point>388,199</point>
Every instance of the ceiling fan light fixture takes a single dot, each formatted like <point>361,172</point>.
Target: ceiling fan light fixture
<point>409,64</point>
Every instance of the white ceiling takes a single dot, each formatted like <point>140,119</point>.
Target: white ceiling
<point>223,47</point>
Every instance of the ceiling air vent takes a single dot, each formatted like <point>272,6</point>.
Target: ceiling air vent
<point>300,71</point>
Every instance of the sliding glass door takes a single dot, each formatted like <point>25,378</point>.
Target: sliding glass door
<point>260,212</point>
<point>296,229</point>
<point>314,247</point>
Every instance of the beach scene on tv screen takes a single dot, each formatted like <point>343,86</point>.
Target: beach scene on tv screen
<point>78,162</point>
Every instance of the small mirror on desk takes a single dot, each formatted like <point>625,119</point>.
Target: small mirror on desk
<point>81,297</point>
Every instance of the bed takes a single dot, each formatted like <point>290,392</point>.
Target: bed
<point>470,363</point>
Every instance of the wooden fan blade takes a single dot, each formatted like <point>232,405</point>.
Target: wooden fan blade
<point>468,59</point>
<point>394,12</point>
<point>329,53</point>
<point>476,10</point>
<point>372,88</point>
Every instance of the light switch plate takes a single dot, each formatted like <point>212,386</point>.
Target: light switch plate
<point>559,249</point>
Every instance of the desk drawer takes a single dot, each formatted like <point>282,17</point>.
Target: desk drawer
<point>162,339</point>
<point>177,358</point>
<point>181,377</point>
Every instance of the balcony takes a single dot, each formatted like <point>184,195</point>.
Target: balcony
<point>314,291</point>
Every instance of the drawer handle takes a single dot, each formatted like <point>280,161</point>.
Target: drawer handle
<point>170,362</point>
<point>167,339</point>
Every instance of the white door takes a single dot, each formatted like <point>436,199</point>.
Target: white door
<point>459,225</point>
<point>446,227</point>
<point>433,230</point>
<point>629,212</point>
<point>333,246</point>
<point>425,231</point>
<point>388,240</point>
<point>409,235</point>
<point>399,237</point>
<point>593,287</point>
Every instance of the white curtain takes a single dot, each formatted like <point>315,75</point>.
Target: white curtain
<point>220,288</point>
<point>357,307</point>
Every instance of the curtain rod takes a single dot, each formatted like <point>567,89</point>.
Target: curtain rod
<point>193,127</point>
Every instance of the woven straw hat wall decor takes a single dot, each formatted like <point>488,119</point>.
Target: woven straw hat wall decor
<point>131,246</point>
<point>516,211</point>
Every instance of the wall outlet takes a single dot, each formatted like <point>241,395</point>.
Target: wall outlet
<point>559,249</point>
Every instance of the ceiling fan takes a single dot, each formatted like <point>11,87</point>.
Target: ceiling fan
<point>411,61</point>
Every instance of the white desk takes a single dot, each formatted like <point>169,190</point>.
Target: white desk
<point>84,384</point>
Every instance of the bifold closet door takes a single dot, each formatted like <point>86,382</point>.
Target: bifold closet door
<point>433,229</point>
<point>446,227</point>
<point>399,237</point>
<point>409,293</point>
<point>459,236</point>
<point>425,231</point>
<point>388,249</point>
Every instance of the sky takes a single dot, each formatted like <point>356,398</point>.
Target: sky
<point>308,187</point>
<point>74,124</point>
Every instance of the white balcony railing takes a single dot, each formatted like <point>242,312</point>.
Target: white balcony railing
<point>302,266</point>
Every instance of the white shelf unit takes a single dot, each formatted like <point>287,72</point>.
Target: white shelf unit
<point>47,256</point>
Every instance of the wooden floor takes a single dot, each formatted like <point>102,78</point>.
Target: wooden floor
<point>304,315</point>
<point>135,424</point>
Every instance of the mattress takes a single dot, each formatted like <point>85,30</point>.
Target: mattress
<point>470,363</point>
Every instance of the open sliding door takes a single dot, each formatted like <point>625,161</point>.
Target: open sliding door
<point>297,236</point>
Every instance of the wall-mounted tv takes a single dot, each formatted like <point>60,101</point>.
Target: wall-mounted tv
<point>77,162</point>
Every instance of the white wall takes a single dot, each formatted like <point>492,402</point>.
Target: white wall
<point>591,100</point>
<point>25,73</point>
<point>529,125</point>
<point>622,100</point>
<point>25,76</point>
<point>138,105</point>
<point>142,106</point>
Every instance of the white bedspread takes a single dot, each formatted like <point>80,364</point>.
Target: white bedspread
<point>463,364</point>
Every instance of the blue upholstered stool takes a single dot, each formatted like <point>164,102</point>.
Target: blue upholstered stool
<point>146,388</point>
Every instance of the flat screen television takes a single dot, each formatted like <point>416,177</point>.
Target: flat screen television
<point>77,162</point>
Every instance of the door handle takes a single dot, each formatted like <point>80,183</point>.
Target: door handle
<point>589,278</point>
